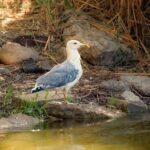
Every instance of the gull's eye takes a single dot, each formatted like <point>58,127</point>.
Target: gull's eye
<point>75,43</point>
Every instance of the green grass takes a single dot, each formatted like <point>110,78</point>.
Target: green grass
<point>69,98</point>
<point>6,103</point>
<point>113,101</point>
<point>33,108</point>
<point>10,106</point>
<point>8,95</point>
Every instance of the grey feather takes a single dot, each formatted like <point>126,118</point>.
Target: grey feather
<point>58,76</point>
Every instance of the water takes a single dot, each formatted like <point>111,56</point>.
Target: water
<point>123,134</point>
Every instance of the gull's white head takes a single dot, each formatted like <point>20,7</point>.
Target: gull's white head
<point>72,50</point>
<point>74,44</point>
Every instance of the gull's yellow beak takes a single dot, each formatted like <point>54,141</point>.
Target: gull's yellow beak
<point>86,45</point>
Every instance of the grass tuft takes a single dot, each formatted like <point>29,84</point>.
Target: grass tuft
<point>33,108</point>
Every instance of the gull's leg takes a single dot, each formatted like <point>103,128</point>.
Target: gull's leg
<point>65,92</point>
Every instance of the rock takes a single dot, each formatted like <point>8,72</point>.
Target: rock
<point>5,124</point>
<point>13,53</point>
<point>17,77</point>
<point>49,95</point>
<point>44,65</point>
<point>18,121</point>
<point>134,104</point>
<point>104,51</point>
<point>56,107</point>
<point>81,112</point>
<point>31,66</point>
<point>4,70</point>
<point>1,79</point>
<point>114,85</point>
<point>140,83</point>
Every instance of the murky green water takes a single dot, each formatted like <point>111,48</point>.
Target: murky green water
<point>122,134</point>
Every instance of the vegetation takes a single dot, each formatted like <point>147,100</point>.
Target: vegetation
<point>10,105</point>
<point>33,108</point>
<point>8,95</point>
<point>126,19</point>
<point>113,101</point>
<point>6,104</point>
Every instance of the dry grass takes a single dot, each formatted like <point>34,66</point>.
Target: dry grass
<point>127,19</point>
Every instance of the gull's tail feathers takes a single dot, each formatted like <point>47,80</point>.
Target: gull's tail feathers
<point>37,89</point>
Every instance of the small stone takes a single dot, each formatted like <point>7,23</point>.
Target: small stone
<point>134,104</point>
<point>18,121</point>
<point>29,66</point>
<point>4,71</point>
<point>91,78</point>
<point>1,79</point>
<point>85,81</point>
<point>17,77</point>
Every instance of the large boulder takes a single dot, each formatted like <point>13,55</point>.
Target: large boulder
<point>81,112</point>
<point>133,103</point>
<point>139,83</point>
<point>13,53</point>
<point>114,85</point>
<point>104,50</point>
<point>129,93</point>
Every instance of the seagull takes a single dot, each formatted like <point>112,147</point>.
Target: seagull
<point>65,75</point>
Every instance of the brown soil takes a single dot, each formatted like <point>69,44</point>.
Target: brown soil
<point>86,91</point>
<point>87,88</point>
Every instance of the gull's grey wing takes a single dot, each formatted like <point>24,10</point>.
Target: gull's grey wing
<point>58,76</point>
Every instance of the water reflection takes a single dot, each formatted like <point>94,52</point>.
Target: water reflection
<point>122,134</point>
